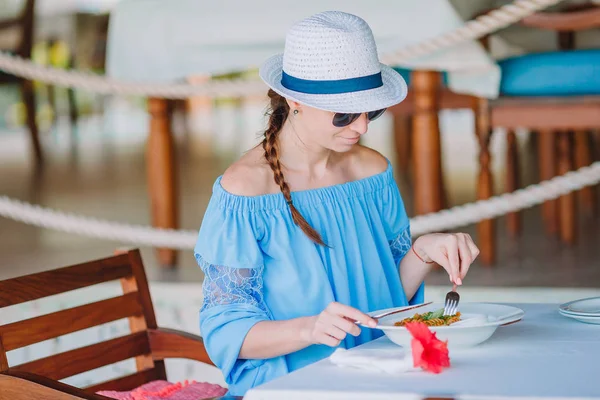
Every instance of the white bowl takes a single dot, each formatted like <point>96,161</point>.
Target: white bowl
<point>480,322</point>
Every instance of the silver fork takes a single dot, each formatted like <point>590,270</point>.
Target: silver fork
<point>385,314</point>
<point>451,303</point>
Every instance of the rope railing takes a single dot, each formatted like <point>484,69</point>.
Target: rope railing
<point>185,239</point>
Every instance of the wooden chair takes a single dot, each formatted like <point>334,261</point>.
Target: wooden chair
<point>25,22</point>
<point>559,122</point>
<point>416,131</point>
<point>149,344</point>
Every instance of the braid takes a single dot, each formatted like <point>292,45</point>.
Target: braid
<point>279,113</point>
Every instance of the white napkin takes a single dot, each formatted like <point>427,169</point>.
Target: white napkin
<point>379,360</point>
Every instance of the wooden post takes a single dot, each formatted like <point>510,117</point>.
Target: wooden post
<point>486,232</point>
<point>162,177</point>
<point>426,142</point>
<point>512,182</point>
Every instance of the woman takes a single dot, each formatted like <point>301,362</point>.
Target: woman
<point>308,232</point>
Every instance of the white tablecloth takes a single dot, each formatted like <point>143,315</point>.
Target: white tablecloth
<point>544,356</point>
<point>157,40</point>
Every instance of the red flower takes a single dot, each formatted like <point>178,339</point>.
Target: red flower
<point>428,351</point>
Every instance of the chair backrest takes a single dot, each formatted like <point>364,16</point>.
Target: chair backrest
<point>135,304</point>
<point>25,21</point>
<point>569,19</point>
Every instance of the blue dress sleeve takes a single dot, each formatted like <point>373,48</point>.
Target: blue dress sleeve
<point>397,227</point>
<point>229,254</point>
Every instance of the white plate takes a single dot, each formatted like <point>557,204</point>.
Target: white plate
<point>589,307</point>
<point>581,318</point>
<point>489,316</point>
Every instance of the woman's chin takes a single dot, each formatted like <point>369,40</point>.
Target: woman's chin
<point>342,145</point>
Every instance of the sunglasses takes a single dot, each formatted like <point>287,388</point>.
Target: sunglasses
<point>341,119</point>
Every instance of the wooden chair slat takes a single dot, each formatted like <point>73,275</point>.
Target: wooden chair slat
<point>546,116</point>
<point>124,383</point>
<point>561,21</point>
<point>31,287</point>
<point>87,358</point>
<point>75,319</point>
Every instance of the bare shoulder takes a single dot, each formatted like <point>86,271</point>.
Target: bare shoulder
<point>365,162</point>
<point>249,176</point>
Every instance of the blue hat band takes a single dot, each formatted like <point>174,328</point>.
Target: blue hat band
<point>331,87</point>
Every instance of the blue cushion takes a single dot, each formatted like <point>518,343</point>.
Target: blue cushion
<point>560,73</point>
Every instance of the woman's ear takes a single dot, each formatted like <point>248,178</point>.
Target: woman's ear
<point>294,105</point>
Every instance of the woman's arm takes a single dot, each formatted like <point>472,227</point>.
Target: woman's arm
<point>268,339</point>
<point>413,271</point>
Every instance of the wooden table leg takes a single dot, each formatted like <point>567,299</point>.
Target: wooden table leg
<point>162,177</point>
<point>426,142</point>
<point>486,229</point>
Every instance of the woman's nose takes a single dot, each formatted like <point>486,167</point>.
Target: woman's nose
<point>360,125</point>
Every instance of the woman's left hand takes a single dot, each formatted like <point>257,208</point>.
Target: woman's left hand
<point>455,252</point>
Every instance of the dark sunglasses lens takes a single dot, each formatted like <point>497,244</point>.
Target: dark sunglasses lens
<point>373,115</point>
<point>340,119</point>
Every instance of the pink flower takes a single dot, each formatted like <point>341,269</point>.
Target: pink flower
<point>428,351</point>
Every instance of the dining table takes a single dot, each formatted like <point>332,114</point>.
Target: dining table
<point>543,356</point>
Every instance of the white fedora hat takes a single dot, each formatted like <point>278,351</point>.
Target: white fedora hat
<point>330,62</point>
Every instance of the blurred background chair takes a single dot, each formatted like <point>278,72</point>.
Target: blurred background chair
<point>555,95</point>
<point>23,25</point>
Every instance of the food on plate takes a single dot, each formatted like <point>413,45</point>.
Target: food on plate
<point>431,318</point>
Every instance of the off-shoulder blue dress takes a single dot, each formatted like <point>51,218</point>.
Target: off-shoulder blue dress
<point>259,266</point>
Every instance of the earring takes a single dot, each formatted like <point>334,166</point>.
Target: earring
<point>295,112</point>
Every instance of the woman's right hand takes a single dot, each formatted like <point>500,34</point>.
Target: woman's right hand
<point>332,325</point>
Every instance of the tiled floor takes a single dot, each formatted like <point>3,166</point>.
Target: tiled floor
<point>99,171</point>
